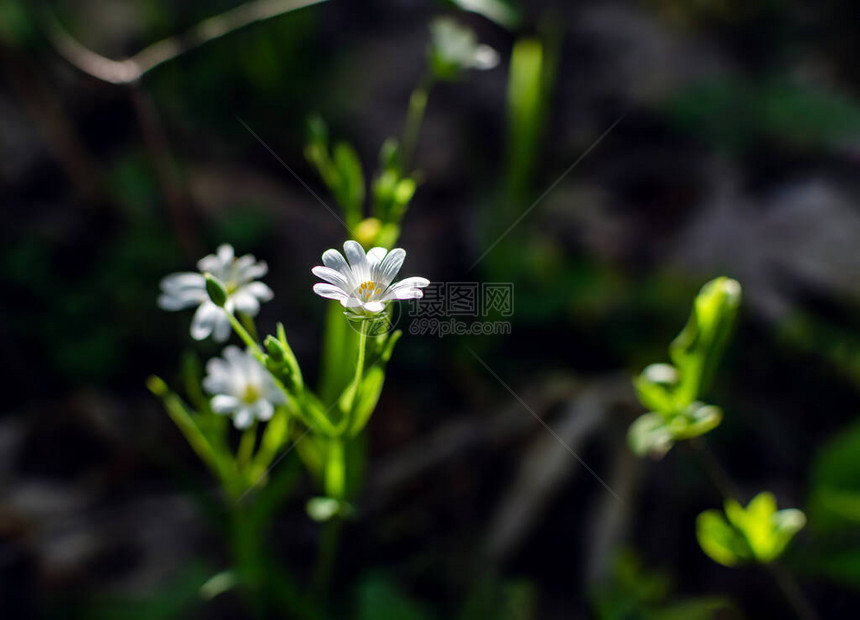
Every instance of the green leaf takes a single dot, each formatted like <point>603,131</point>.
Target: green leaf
<point>368,396</point>
<point>649,436</point>
<point>350,192</point>
<point>371,387</point>
<point>378,598</point>
<point>698,419</point>
<point>340,350</point>
<point>696,351</point>
<point>758,532</point>
<point>216,290</point>
<point>719,540</point>
<point>654,387</point>
<point>527,102</point>
<point>220,461</point>
<point>835,499</point>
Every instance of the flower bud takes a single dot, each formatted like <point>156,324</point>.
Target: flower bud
<point>275,349</point>
<point>216,290</point>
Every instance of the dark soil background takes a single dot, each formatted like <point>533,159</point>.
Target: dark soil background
<point>737,154</point>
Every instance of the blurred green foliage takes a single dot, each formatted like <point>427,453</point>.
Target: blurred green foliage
<point>672,392</point>
<point>736,114</point>
<point>756,533</point>
<point>635,592</point>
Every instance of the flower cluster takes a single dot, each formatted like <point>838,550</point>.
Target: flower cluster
<point>239,383</point>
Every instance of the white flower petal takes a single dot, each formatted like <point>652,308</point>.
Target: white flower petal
<point>226,254</point>
<point>329,291</point>
<point>259,290</point>
<point>404,293</point>
<point>335,260</point>
<point>187,299</point>
<point>181,281</point>
<point>204,320</point>
<point>374,306</point>
<point>272,393</point>
<point>223,403</point>
<point>211,264</point>
<point>222,330</point>
<point>243,418</point>
<point>332,276</point>
<point>390,267</point>
<point>245,302</point>
<point>408,288</point>
<point>375,256</point>
<point>357,261</point>
<point>485,57</point>
<point>247,269</point>
<point>234,357</point>
<point>263,410</point>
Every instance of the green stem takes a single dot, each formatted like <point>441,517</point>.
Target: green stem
<point>344,425</point>
<point>248,324</point>
<point>246,337</point>
<point>791,589</point>
<point>326,556</point>
<point>414,120</point>
<point>246,446</point>
<point>248,556</point>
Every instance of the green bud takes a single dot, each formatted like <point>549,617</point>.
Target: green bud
<point>275,349</point>
<point>367,232</point>
<point>389,155</point>
<point>317,129</point>
<point>157,386</point>
<point>216,290</point>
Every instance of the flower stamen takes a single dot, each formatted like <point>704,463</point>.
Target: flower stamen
<point>367,290</point>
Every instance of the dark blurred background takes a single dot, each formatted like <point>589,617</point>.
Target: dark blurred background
<point>736,154</point>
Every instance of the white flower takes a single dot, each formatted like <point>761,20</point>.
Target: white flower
<point>244,294</point>
<point>241,388</point>
<point>364,285</point>
<point>455,48</point>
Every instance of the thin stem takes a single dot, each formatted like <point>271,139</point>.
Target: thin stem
<point>414,120</point>
<point>792,591</point>
<point>246,445</point>
<point>248,323</point>
<point>246,337</point>
<point>343,427</point>
<point>326,556</point>
<point>132,69</point>
<point>715,470</point>
<point>248,556</point>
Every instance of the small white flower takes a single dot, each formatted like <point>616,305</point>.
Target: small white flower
<point>455,47</point>
<point>244,294</point>
<point>241,388</point>
<point>364,283</point>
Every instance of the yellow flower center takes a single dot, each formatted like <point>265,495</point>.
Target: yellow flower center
<point>251,395</point>
<point>367,290</point>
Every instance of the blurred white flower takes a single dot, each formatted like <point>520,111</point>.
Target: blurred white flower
<point>244,294</point>
<point>455,48</point>
<point>364,283</point>
<point>241,388</point>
